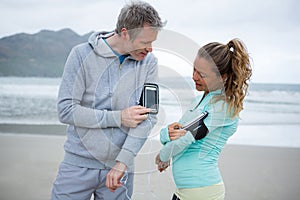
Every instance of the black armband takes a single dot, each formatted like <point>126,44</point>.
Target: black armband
<point>197,126</point>
<point>201,132</point>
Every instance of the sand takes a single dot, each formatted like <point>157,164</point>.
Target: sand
<point>29,165</point>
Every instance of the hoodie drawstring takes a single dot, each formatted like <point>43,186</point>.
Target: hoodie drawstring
<point>109,82</point>
<point>136,86</point>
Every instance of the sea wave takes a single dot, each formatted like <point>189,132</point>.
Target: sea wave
<point>272,102</point>
<point>33,100</point>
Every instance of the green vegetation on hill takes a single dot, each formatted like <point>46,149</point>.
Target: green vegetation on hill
<point>42,54</point>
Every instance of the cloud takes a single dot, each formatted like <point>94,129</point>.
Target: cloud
<point>32,15</point>
<point>269,28</point>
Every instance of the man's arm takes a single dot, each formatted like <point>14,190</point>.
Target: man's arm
<point>135,139</point>
<point>137,136</point>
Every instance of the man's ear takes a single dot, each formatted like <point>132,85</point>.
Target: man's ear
<point>124,33</point>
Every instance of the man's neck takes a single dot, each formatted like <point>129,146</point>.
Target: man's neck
<point>117,44</point>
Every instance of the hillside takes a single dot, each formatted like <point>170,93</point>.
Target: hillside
<point>42,54</point>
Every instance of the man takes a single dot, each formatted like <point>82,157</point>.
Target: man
<point>98,99</point>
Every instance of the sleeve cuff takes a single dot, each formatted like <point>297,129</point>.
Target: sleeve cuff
<point>127,158</point>
<point>164,136</point>
<point>113,119</point>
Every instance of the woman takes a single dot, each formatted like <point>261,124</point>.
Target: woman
<point>221,72</point>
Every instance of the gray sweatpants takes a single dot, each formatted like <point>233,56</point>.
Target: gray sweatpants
<point>78,183</point>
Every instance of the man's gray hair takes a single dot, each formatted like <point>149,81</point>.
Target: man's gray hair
<point>135,15</point>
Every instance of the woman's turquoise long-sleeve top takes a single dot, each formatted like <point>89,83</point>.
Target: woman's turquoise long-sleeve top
<point>195,162</point>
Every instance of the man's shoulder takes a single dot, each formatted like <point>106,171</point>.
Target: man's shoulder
<point>83,46</point>
<point>82,49</point>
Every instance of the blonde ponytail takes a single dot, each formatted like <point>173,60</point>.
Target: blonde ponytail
<point>236,84</point>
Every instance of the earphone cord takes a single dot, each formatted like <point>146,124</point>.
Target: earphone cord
<point>125,178</point>
<point>124,181</point>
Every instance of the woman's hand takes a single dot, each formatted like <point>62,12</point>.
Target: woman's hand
<point>175,131</point>
<point>161,166</point>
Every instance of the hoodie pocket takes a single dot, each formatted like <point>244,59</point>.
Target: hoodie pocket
<point>96,142</point>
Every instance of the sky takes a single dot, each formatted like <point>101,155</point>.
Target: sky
<point>270,28</point>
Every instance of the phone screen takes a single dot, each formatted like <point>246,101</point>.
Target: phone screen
<point>151,98</point>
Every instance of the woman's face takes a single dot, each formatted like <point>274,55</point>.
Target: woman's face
<point>205,77</point>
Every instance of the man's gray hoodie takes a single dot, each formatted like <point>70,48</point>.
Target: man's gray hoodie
<point>94,90</point>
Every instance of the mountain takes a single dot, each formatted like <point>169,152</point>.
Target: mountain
<point>42,54</point>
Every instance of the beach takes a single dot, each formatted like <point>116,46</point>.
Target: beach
<point>29,164</point>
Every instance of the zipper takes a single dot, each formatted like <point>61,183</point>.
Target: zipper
<point>198,104</point>
<point>120,69</point>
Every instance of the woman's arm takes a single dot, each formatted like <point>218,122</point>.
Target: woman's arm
<point>181,140</point>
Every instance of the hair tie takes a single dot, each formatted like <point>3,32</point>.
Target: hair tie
<point>230,47</point>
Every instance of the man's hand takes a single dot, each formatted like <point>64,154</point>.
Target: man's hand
<point>133,116</point>
<point>114,175</point>
<point>175,131</point>
<point>161,166</point>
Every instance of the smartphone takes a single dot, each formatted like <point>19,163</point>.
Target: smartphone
<point>150,97</point>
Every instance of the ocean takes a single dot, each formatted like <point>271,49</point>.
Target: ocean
<point>271,115</point>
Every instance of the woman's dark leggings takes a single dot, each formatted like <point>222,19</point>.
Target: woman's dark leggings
<point>175,197</point>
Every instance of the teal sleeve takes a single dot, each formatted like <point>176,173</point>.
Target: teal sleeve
<point>175,147</point>
<point>164,136</point>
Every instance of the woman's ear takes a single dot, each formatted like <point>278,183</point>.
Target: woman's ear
<point>224,77</point>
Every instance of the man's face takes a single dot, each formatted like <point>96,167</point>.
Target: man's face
<point>139,47</point>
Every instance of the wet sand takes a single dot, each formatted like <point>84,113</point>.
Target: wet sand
<point>29,164</point>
